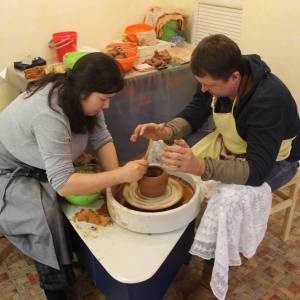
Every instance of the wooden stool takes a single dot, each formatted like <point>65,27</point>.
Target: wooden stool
<point>288,203</point>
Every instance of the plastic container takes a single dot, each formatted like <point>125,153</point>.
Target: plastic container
<point>85,199</point>
<point>70,58</point>
<point>128,63</point>
<point>63,42</point>
<point>131,30</point>
<point>149,50</point>
<point>125,46</point>
<point>169,30</point>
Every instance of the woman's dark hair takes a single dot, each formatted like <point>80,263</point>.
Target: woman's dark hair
<point>217,56</point>
<point>94,72</point>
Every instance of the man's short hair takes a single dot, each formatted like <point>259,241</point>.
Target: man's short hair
<point>218,56</point>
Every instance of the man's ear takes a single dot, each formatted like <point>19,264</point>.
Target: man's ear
<point>235,76</point>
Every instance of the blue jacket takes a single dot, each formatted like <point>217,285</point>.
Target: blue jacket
<point>265,117</point>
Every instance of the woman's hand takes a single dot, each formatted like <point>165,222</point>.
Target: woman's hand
<point>83,184</point>
<point>180,158</point>
<point>134,170</point>
<point>152,131</point>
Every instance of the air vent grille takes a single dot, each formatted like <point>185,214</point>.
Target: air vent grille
<point>217,16</point>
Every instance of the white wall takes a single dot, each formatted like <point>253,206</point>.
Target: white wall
<point>27,25</point>
<point>271,29</point>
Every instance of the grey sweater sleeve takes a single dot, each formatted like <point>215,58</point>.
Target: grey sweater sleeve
<point>58,146</point>
<point>41,137</point>
<point>54,142</point>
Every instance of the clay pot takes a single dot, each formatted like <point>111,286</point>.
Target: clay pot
<point>154,182</point>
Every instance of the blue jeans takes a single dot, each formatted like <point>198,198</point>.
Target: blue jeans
<point>282,172</point>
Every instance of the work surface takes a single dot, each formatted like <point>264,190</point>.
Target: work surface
<point>129,257</point>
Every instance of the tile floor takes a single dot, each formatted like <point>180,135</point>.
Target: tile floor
<point>273,273</point>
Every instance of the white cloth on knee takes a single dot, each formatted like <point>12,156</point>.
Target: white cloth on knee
<point>234,222</point>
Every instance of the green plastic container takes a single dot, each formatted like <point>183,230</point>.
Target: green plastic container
<point>70,58</point>
<point>169,30</point>
<point>82,200</point>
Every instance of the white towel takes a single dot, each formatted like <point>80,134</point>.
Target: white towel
<point>234,222</point>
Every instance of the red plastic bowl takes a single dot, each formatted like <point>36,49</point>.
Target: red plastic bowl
<point>131,30</point>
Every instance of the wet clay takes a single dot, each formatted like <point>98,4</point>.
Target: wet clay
<point>98,217</point>
<point>188,193</point>
<point>154,182</point>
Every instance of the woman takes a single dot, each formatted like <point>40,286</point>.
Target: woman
<point>42,132</point>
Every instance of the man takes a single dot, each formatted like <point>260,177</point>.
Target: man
<point>256,121</point>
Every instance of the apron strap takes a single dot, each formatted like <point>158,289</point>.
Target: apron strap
<point>9,176</point>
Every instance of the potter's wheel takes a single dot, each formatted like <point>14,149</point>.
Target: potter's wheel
<point>160,221</point>
<point>171,196</point>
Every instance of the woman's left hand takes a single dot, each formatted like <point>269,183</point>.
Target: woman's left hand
<point>180,158</point>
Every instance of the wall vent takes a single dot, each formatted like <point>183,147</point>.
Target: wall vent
<point>217,16</point>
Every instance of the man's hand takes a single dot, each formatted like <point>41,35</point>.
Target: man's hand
<point>152,131</point>
<point>180,158</point>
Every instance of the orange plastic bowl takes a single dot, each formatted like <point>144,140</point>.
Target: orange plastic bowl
<point>128,63</point>
<point>126,46</point>
<point>131,30</point>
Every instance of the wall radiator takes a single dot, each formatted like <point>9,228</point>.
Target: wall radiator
<point>217,16</point>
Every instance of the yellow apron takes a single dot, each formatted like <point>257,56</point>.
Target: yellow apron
<point>211,145</point>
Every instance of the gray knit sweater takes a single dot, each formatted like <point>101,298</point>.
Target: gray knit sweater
<point>40,137</point>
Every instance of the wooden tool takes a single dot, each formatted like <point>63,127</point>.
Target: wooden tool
<point>148,149</point>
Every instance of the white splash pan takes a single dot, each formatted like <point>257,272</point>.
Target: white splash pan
<point>156,222</point>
